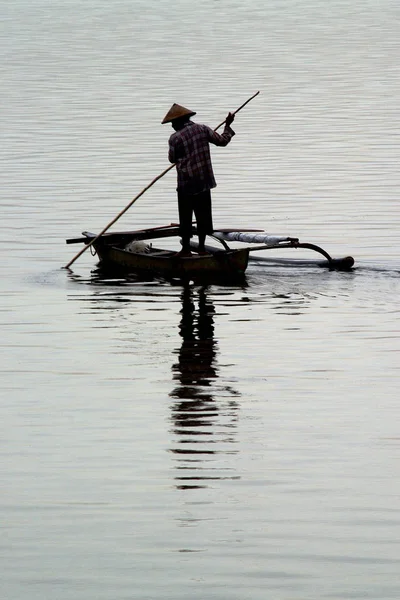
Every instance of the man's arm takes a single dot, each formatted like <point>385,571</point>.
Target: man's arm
<point>176,151</point>
<point>224,138</point>
<point>171,153</point>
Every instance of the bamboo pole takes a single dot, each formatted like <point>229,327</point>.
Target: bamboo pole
<point>119,215</point>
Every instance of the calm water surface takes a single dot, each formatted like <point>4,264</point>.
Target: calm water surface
<point>161,441</point>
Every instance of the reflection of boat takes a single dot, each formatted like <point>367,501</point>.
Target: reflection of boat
<point>130,251</point>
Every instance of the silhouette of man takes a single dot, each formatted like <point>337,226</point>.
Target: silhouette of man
<point>189,149</point>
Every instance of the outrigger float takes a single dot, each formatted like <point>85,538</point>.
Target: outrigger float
<point>130,251</point>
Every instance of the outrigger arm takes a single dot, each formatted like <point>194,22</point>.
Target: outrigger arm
<point>273,242</point>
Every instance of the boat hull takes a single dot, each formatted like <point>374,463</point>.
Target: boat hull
<point>230,264</point>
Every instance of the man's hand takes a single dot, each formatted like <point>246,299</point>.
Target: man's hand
<point>229,119</point>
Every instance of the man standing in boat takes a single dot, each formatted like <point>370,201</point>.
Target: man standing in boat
<point>189,149</point>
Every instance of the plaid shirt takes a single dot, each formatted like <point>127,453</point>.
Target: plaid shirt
<point>189,148</point>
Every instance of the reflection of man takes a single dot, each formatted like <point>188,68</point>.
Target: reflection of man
<point>198,350</point>
<point>204,428</point>
<point>189,148</point>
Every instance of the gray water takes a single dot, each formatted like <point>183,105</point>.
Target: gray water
<point>204,443</point>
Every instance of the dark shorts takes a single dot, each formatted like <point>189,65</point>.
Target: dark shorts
<point>200,205</point>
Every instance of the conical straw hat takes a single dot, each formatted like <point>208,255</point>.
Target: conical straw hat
<point>175,112</point>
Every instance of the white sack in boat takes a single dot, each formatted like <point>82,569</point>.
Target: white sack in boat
<point>251,238</point>
<point>138,247</point>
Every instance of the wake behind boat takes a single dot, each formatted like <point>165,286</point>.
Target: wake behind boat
<point>132,251</point>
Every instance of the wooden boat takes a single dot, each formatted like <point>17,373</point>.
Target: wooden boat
<point>131,251</point>
<point>126,251</point>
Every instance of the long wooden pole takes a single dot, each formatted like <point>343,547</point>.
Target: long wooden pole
<point>141,194</point>
<point>237,110</point>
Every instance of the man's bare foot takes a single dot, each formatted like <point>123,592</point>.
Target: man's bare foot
<point>184,254</point>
